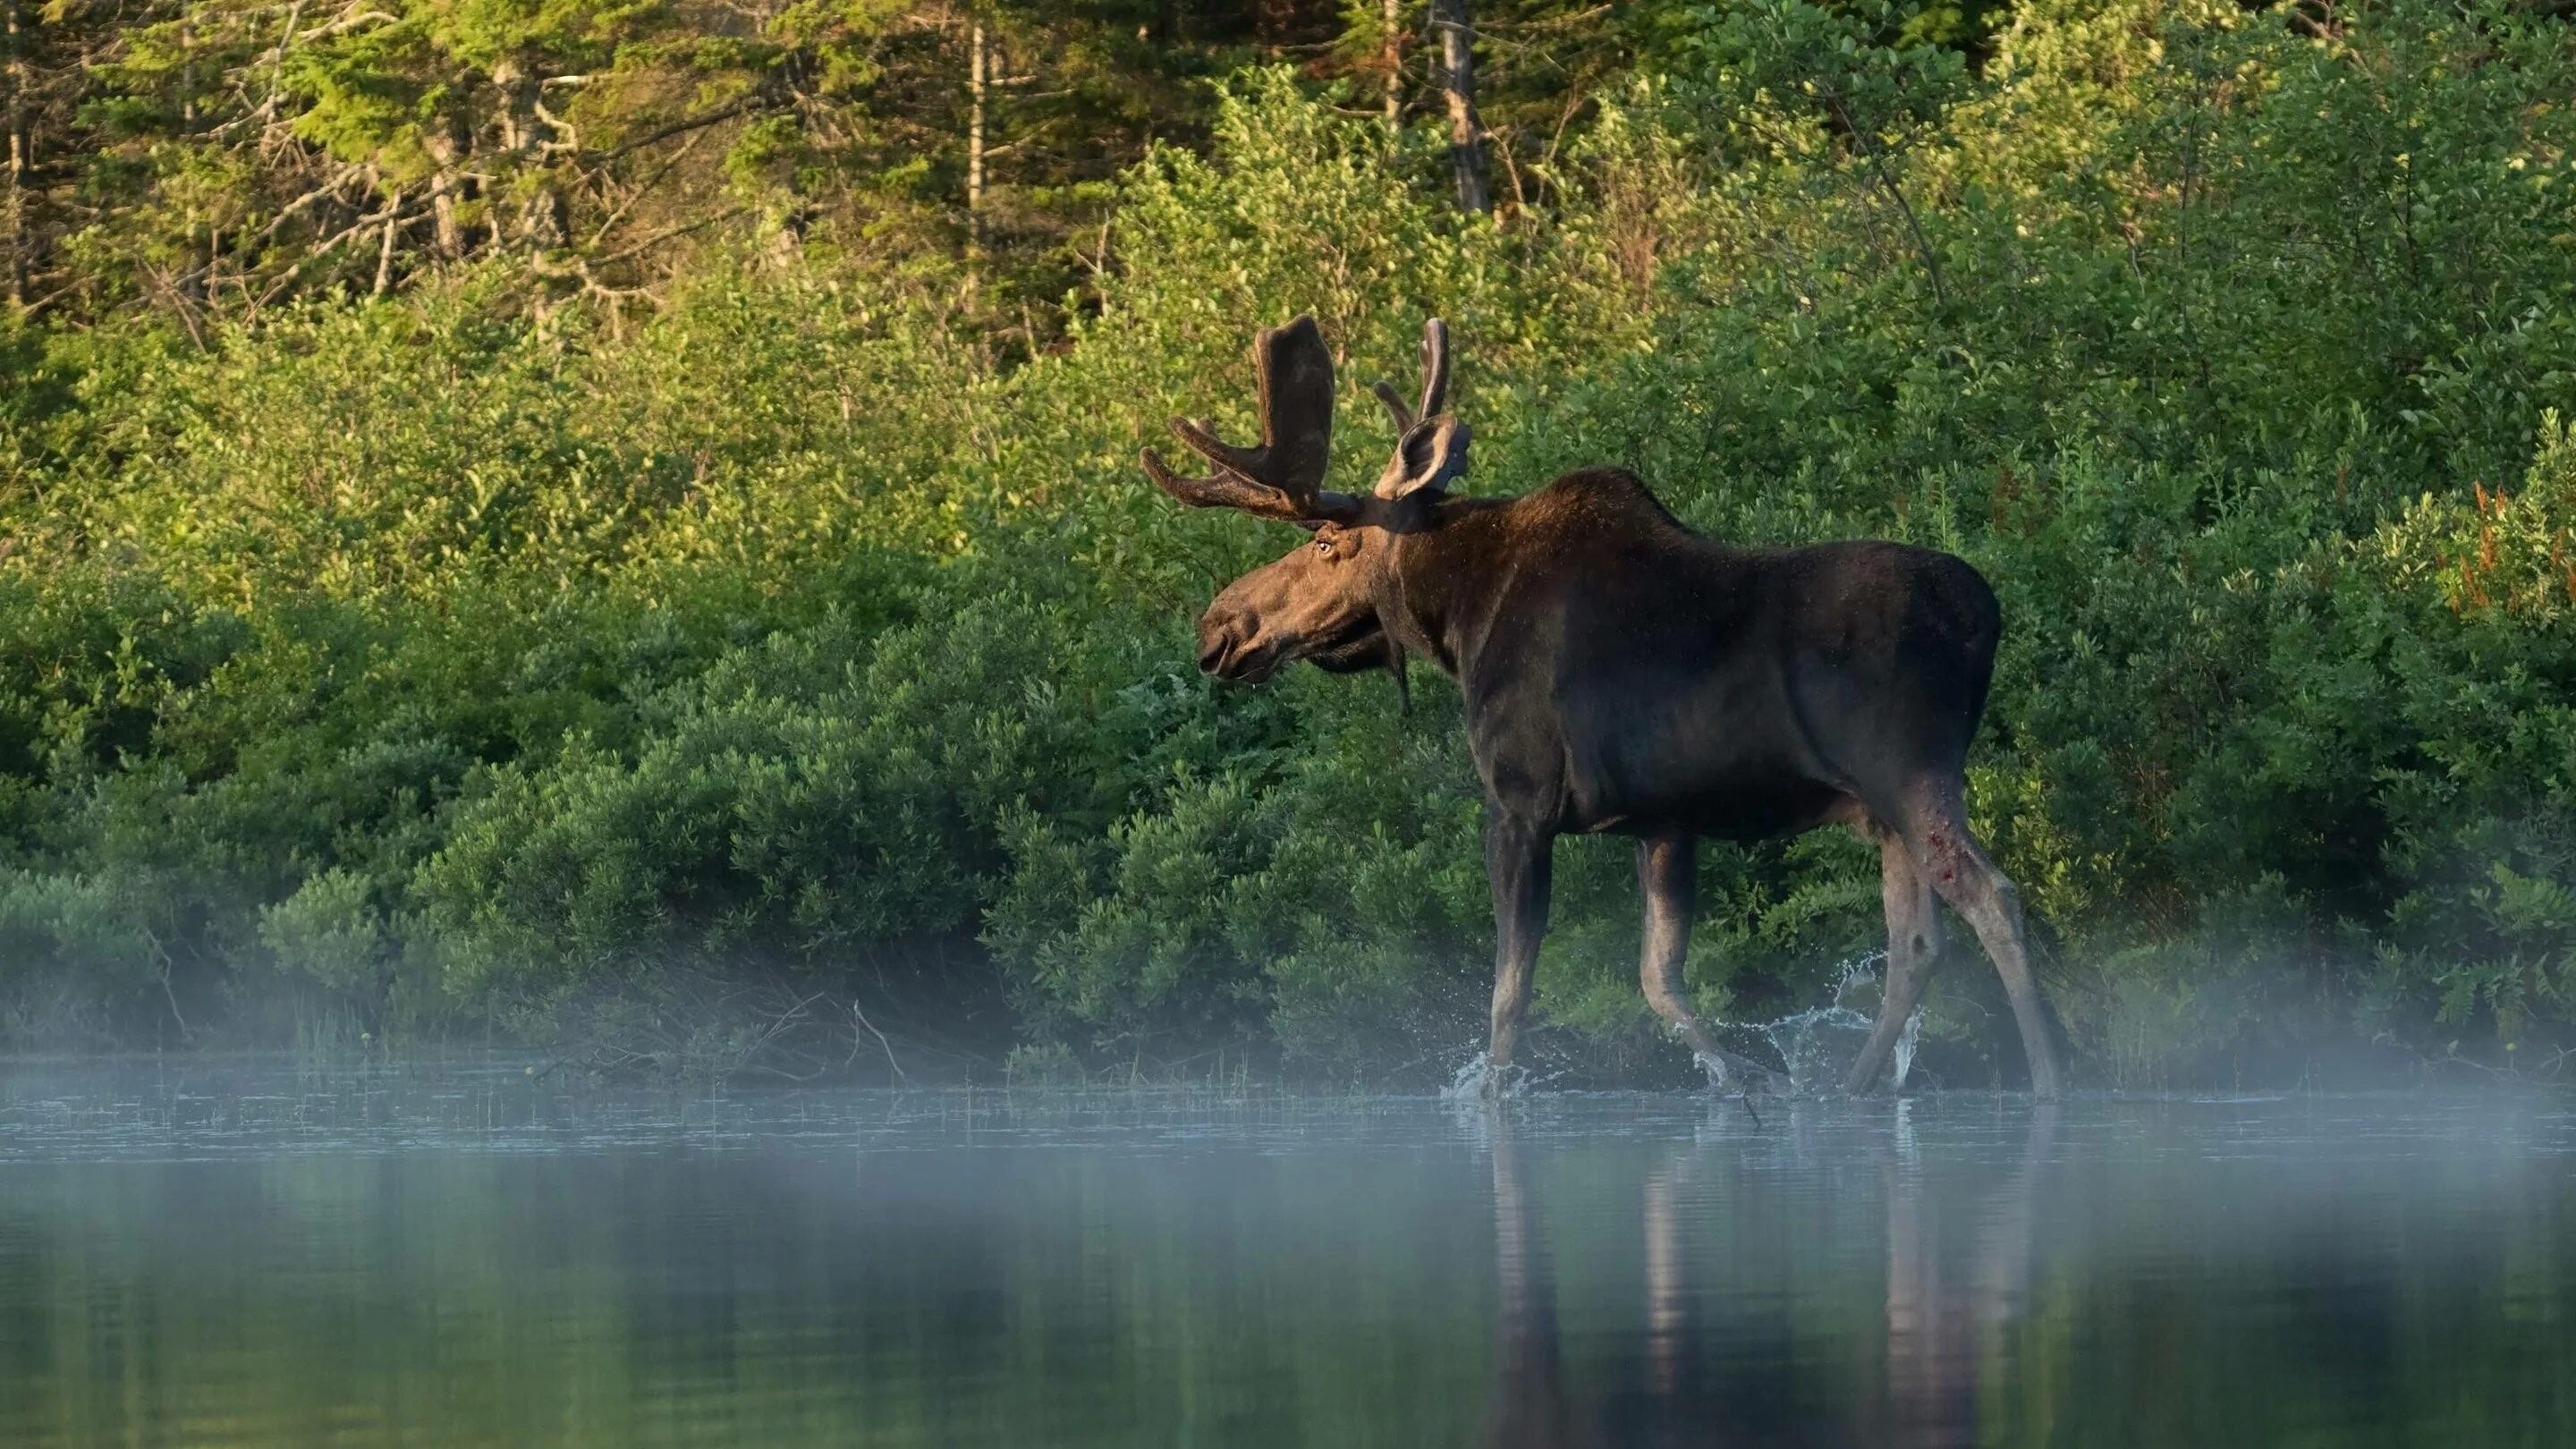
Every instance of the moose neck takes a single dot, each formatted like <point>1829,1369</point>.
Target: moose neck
<point>1445,582</point>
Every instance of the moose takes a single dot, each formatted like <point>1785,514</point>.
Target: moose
<point>1622,674</point>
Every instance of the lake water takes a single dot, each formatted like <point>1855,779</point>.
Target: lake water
<point>241,1254</point>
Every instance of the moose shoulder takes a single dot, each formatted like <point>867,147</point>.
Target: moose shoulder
<point>1622,674</point>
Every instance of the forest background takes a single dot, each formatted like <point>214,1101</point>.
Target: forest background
<point>613,527</point>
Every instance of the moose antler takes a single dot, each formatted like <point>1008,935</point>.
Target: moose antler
<point>1435,380</point>
<point>1283,477</point>
<point>1430,446</point>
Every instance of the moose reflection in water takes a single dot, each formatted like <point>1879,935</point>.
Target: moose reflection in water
<point>1945,1296</point>
<point>1529,1407</point>
<point>1957,1275</point>
<point>1624,675</point>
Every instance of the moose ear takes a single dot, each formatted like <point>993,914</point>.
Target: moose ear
<point>1432,455</point>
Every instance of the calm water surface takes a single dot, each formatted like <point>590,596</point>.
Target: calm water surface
<point>245,1255</point>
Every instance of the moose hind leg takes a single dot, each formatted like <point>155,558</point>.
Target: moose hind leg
<point>1518,863</point>
<point>1982,895</point>
<point>1913,952</point>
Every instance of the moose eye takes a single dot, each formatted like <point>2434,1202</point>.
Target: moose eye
<point>1324,546</point>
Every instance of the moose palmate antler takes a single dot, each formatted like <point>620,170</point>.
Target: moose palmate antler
<point>1283,478</point>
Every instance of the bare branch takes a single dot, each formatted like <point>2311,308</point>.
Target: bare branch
<point>660,134</point>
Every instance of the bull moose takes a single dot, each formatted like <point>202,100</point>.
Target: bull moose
<point>1624,675</point>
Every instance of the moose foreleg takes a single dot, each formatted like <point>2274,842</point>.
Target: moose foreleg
<point>1667,878</point>
<point>1913,951</point>
<point>1518,863</point>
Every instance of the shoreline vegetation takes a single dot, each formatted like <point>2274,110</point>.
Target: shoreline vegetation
<point>759,653</point>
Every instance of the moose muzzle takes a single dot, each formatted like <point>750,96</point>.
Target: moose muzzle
<point>1231,648</point>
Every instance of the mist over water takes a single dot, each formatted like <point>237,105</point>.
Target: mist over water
<point>245,1254</point>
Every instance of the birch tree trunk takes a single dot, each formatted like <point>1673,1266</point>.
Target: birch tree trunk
<point>1392,54</point>
<point>385,246</point>
<point>978,81</point>
<point>13,201</point>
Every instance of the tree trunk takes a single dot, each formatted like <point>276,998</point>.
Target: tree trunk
<point>1392,55</point>
<point>192,283</point>
<point>1458,87</point>
<point>447,234</point>
<point>385,247</point>
<point>13,201</point>
<point>978,80</point>
<point>446,143</point>
<point>524,134</point>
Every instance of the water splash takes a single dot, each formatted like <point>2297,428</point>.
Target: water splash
<point>1720,1077</point>
<point>1817,1045</point>
<point>1905,1042</point>
<point>1479,1080</point>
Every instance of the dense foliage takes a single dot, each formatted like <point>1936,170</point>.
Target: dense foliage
<point>682,679</point>
<point>210,160</point>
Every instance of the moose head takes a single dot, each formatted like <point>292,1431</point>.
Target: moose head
<point>1328,600</point>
